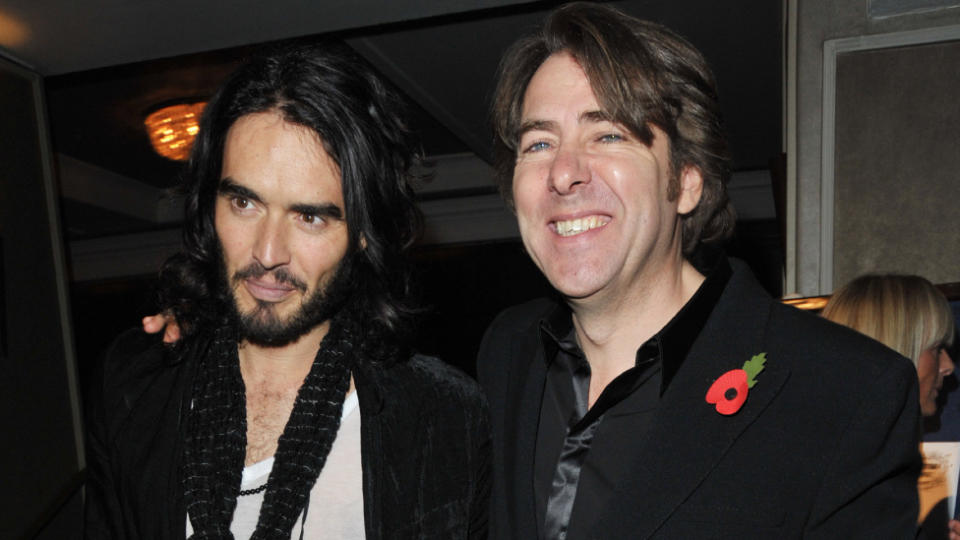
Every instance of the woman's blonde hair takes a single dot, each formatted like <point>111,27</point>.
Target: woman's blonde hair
<point>906,313</point>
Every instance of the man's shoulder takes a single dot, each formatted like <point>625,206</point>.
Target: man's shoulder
<point>829,348</point>
<point>425,391</point>
<point>812,344</point>
<point>512,332</point>
<point>426,378</point>
<point>522,318</point>
<point>436,373</point>
<point>133,354</point>
<point>136,369</point>
<point>138,364</point>
<point>823,358</point>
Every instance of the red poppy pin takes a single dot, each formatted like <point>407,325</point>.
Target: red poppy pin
<point>730,390</point>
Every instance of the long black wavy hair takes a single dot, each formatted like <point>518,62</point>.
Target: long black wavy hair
<point>332,91</point>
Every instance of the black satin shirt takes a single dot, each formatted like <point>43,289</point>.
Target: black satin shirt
<point>580,453</point>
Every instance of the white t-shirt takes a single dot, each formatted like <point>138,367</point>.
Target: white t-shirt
<point>336,500</point>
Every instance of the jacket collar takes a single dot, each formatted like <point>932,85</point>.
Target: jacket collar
<point>674,340</point>
<point>366,378</point>
<point>689,431</point>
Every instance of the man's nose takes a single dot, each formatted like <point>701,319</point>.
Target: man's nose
<point>271,247</point>
<point>569,171</point>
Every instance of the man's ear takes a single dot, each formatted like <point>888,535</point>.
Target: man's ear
<point>363,241</point>
<point>691,188</point>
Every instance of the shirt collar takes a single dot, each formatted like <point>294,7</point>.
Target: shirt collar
<point>673,341</point>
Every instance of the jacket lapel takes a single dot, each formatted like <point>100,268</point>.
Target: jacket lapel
<point>526,382</point>
<point>689,437</point>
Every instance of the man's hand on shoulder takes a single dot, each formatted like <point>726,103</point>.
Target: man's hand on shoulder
<point>162,321</point>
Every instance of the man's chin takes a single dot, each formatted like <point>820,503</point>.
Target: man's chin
<point>263,335</point>
<point>267,326</point>
<point>263,327</point>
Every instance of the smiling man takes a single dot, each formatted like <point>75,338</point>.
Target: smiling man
<point>664,394</point>
<point>292,406</point>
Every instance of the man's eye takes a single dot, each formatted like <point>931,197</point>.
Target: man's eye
<point>537,146</point>
<point>312,220</point>
<point>241,203</point>
<point>610,137</point>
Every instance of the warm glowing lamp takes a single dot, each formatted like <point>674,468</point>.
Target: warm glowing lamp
<point>13,32</point>
<point>809,303</point>
<point>172,129</point>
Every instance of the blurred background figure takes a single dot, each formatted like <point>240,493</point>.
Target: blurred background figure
<point>909,315</point>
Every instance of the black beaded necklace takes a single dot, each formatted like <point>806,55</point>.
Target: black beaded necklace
<point>254,491</point>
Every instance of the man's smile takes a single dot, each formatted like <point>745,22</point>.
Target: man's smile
<point>572,227</point>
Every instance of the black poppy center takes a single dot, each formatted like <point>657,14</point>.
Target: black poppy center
<point>730,394</point>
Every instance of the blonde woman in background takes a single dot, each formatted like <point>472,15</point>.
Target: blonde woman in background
<point>907,314</point>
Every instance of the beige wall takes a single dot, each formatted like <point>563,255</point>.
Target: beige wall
<point>897,162</point>
<point>817,22</point>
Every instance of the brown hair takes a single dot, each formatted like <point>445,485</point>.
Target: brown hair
<point>906,313</point>
<point>642,73</point>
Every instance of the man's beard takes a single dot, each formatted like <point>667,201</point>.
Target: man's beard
<point>262,326</point>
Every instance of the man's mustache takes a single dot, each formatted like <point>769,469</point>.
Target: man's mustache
<point>256,270</point>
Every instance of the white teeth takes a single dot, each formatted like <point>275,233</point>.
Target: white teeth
<point>571,227</point>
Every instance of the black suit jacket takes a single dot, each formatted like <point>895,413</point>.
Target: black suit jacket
<point>824,447</point>
<point>425,446</point>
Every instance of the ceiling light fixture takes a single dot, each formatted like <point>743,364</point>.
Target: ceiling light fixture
<point>173,127</point>
<point>13,32</point>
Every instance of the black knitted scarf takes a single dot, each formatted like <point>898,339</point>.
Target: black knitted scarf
<point>215,438</point>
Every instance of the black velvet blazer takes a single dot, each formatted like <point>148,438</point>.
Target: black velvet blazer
<point>425,446</point>
<point>825,445</point>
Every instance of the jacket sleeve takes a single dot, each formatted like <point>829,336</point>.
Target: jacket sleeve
<point>480,506</point>
<point>102,506</point>
<point>870,490</point>
<point>491,367</point>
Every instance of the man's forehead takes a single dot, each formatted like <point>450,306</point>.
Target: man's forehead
<point>555,79</point>
<point>560,87</point>
<point>280,161</point>
<point>558,91</point>
<point>260,124</point>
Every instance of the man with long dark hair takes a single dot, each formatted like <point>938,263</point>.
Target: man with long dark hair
<point>664,394</point>
<point>292,406</point>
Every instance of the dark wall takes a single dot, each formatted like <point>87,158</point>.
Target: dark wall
<point>39,449</point>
